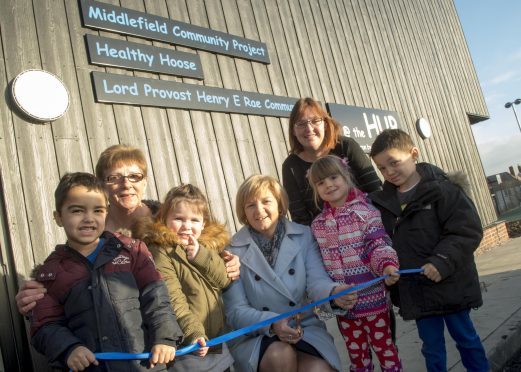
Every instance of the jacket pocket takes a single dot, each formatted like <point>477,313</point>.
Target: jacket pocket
<point>123,291</point>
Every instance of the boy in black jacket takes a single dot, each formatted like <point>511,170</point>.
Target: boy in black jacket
<point>434,225</point>
<point>104,293</point>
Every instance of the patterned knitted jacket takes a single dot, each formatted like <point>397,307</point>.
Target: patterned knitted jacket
<point>355,248</point>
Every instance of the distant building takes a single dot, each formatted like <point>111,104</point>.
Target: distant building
<point>505,189</point>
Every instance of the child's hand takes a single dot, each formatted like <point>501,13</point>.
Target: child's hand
<point>192,248</point>
<point>81,358</point>
<point>203,350</point>
<point>431,272</point>
<point>346,301</point>
<point>161,354</point>
<point>392,271</point>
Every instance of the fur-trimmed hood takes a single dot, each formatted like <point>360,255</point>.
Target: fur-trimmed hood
<point>215,236</point>
<point>461,179</point>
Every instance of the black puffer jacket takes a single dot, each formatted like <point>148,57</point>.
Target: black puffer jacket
<point>440,225</point>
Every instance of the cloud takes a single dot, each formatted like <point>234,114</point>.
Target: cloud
<point>503,77</point>
<point>499,154</point>
<point>517,55</point>
<point>491,98</point>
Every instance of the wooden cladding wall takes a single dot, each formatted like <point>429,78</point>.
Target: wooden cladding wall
<point>406,56</point>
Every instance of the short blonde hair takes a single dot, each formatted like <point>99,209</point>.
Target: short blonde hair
<point>331,126</point>
<point>328,166</point>
<point>255,186</point>
<point>120,155</point>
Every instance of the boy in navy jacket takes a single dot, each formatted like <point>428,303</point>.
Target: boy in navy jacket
<point>103,291</point>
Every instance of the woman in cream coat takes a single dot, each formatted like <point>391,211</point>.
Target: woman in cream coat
<point>281,267</point>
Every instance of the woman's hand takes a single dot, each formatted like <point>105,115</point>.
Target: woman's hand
<point>431,272</point>
<point>346,301</point>
<point>80,359</point>
<point>203,350</point>
<point>286,333</point>
<point>30,292</point>
<point>232,264</point>
<point>192,248</point>
<point>161,354</point>
<point>392,271</point>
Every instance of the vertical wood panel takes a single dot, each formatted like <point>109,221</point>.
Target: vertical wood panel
<point>55,50</point>
<point>34,153</point>
<point>208,148</point>
<point>245,80</point>
<point>16,216</point>
<point>163,172</point>
<point>35,145</point>
<point>316,57</point>
<point>98,118</point>
<point>293,52</point>
<point>182,132</point>
<point>269,78</point>
<point>395,80</point>
<point>332,44</point>
<point>17,236</point>
<point>281,70</point>
<point>427,94</point>
<point>350,52</point>
<point>414,83</point>
<point>301,47</point>
<point>468,77</point>
<point>463,144</point>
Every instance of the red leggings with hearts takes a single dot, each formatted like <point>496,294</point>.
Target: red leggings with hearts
<point>372,331</point>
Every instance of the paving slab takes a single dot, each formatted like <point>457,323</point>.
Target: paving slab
<point>498,321</point>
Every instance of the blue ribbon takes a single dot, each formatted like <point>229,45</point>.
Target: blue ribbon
<point>231,335</point>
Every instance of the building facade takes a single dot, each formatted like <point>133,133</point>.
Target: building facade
<point>405,57</point>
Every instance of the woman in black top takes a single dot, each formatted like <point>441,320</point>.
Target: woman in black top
<point>312,134</point>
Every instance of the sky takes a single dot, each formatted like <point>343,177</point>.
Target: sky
<point>493,32</point>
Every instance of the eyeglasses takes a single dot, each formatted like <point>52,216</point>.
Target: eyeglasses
<point>315,123</point>
<point>132,177</point>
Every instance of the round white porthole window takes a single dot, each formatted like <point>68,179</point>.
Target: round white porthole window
<point>40,95</point>
<point>424,128</point>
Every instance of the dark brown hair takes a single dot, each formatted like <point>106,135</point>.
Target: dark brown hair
<point>391,139</point>
<point>71,180</point>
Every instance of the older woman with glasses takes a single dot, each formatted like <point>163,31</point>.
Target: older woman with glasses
<point>281,268</point>
<point>124,170</point>
<point>312,134</point>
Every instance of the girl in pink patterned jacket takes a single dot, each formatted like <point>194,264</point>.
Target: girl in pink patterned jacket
<point>356,249</point>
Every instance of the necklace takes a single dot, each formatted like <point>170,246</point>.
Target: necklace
<point>410,188</point>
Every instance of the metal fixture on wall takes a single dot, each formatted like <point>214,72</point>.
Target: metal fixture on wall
<point>424,128</point>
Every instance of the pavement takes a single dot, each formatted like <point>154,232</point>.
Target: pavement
<point>498,321</point>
